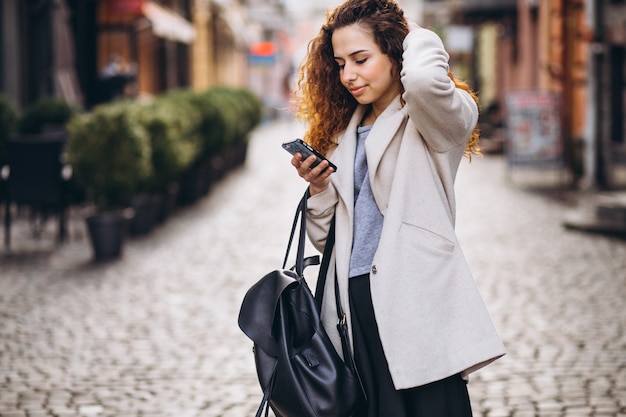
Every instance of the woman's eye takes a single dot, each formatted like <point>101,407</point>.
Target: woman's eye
<point>361,61</point>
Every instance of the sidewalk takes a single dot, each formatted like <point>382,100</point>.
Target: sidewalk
<point>155,333</point>
<point>600,212</point>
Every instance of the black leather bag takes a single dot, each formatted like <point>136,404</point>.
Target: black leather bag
<point>299,370</point>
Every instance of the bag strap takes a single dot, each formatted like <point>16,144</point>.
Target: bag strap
<point>298,216</point>
<point>342,326</point>
<point>301,262</point>
<point>323,272</point>
<point>265,402</point>
<point>321,279</point>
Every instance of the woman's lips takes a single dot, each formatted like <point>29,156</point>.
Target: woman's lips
<point>357,91</point>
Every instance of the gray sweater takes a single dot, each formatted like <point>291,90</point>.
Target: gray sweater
<point>368,220</point>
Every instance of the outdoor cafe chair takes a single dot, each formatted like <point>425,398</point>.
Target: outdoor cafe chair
<point>34,179</point>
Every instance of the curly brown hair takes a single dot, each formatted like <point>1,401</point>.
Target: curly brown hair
<point>320,98</point>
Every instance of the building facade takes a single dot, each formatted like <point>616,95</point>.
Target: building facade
<point>571,48</point>
<point>93,51</point>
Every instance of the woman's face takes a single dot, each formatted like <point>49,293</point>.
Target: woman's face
<point>364,70</point>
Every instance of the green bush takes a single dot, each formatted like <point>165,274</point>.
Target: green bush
<point>222,97</point>
<point>48,111</point>
<point>227,115</point>
<point>212,126</point>
<point>172,128</point>
<point>243,110</point>
<point>125,147</point>
<point>8,123</point>
<point>110,152</point>
<point>251,106</point>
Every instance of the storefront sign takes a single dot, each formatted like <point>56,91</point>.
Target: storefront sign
<point>262,53</point>
<point>534,128</point>
<point>125,6</point>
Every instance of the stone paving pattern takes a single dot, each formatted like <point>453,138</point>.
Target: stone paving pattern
<point>154,334</point>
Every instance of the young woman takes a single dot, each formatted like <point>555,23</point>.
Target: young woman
<point>381,104</point>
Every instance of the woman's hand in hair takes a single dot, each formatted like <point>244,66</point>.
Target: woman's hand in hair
<point>318,177</point>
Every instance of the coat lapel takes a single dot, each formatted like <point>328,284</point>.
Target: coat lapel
<point>344,159</point>
<point>378,144</point>
<point>383,131</point>
<point>381,135</point>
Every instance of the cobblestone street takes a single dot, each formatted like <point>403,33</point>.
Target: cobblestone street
<point>154,334</point>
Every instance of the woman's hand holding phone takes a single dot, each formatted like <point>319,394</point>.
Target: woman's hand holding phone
<point>318,177</point>
<point>315,169</point>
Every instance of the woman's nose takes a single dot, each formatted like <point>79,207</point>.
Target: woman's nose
<point>348,73</point>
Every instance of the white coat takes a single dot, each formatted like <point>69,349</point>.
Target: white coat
<point>432,320</point>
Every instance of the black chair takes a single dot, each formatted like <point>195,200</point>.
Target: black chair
<point>35,180</point>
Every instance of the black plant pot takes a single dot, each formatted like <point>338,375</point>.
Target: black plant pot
<point>195,182</point>
<point>169,200</point>
<point>107,232</point>
<point>146,212</point>
<point>189,186</point>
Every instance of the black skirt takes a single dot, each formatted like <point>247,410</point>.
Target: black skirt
<point>445,398</point>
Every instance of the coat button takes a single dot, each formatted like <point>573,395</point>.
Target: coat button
<point>374,269</point>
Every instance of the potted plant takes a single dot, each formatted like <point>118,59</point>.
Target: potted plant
<point>174,145</point>
<point>249,109</point>
<point>47,115</point>
<point>210,133</point>
<point>109,151</point>
<point>172,125</point>
<point>240,111</point>
<point>221,137</point>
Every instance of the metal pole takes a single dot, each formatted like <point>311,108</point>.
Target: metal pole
<point>598,61</point>
<point>593,158</point>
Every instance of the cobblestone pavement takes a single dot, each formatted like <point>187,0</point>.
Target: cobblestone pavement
<point>154,334</point>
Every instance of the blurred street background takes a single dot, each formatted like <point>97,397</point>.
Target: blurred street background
<point>551,73</point>
<point>165,117</point>
<point>154,333</point>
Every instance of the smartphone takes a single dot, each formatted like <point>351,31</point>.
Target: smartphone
<point>306,150</point>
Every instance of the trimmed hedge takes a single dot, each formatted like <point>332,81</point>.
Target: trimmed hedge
<point>124,148</point>
<point>110,153</point>
<point>48,111</point>
<point>175,143</point>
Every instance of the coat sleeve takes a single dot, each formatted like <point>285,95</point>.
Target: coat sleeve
<point>444,115</point>
<point>320,211</point>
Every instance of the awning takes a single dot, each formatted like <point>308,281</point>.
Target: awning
<point>235,18</point>
<point>244,32</point>
<point>489,6</point>
<point>168,24</point>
